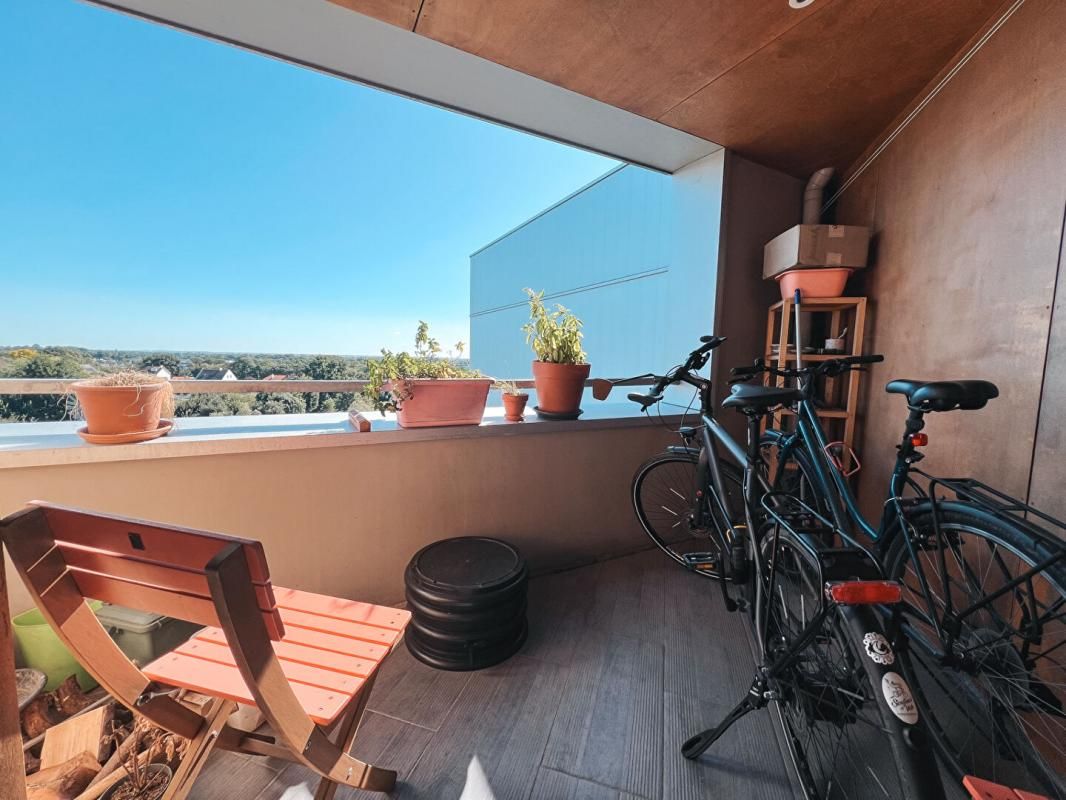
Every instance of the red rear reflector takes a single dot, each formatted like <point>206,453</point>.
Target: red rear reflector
<point>859,593</point>
<point>919,439</point>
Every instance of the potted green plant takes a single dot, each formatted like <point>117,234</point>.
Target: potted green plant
<point>514,400</point>
<point>426,389</point>
<point>124,406</point>
<point>560,369</point>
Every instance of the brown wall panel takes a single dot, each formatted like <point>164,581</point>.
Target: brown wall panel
<point>758,203</point>
<point>966,207</point>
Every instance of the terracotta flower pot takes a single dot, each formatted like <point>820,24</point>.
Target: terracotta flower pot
<point>112,410</point>
<point>514,405</point>
<point>559,386</point>
<point>439,402</point>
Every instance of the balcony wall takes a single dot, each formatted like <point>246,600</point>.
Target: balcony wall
<point>344,519</point>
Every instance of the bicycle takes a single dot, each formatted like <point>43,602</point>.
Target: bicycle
<point>824,658</point>
<point>982,613</point>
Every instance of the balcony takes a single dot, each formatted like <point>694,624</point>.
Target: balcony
<point>612,678</point>
<point>626,658</point>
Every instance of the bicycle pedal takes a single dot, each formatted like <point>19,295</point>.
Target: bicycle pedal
<point>702,562</point>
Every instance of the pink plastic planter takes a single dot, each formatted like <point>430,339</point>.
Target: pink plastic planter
<point>813,282</point>
<point>444,401</point>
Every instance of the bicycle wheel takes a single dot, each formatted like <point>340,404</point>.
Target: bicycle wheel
<point>849,723</point>
<point>676,517</point>
<point>997,705</point>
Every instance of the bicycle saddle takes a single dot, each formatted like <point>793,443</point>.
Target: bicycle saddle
<point>759,398</point>
<point>944,395</point>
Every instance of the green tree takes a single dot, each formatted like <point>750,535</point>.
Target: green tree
<point>213,405</point>
<point>284,403</point>
<point>329,368</point>
<point>168,360</point>
<point>40,407</point>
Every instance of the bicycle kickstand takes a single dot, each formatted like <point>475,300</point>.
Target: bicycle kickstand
<point>755,699</point>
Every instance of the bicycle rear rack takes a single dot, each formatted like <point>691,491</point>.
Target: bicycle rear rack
<point>1002,506</point>
<point>814,532</point>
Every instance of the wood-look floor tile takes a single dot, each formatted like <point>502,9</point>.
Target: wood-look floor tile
<point>227,776</point>
<point>746,762</point>
<point>491,743</point>
<point>552,785</point>
<point>408,690</point>
<point>382,741</point>
<point>609,726</point>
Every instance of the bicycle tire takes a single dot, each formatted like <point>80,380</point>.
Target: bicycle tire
<point>1012,718</point>
<point>850,724</point>
<point>678,474</point>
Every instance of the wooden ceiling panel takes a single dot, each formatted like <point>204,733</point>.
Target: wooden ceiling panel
<point>822,91</point>
<point>794,89</point>
<point>645,56</point>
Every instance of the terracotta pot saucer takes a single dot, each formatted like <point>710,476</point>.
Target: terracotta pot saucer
<point>165,426</point>
<point>557,415</point>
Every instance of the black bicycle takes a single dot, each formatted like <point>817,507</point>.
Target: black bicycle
<point>981,628</point>
<point>824,656</point>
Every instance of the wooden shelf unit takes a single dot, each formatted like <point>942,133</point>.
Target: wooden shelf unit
<point>840,394</point>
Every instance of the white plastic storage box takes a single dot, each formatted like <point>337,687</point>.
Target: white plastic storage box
<point>142,635</point>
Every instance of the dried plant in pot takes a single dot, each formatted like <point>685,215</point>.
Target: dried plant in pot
<point>149,752</point>
<point>560,369</point>
<point>514,400</point>
<point>426,389</point>
<point>125,406</point>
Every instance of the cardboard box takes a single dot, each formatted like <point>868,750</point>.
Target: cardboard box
<point>812,246</point>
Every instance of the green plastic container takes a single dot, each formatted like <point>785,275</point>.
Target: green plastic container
<point>41,649</point>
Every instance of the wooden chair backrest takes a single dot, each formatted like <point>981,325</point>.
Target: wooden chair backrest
<point>138,564</point>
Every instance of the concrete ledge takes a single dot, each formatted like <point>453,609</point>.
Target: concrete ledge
<point>40,444</point>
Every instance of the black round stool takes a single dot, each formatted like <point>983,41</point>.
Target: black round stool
<point>467,598</point>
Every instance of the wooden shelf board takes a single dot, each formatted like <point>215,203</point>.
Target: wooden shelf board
<point>823,303</point>
<point>810,356</point>
<point>829,413</point>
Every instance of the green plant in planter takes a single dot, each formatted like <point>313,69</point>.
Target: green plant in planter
<point>555,336</point>
<point>400,368</point>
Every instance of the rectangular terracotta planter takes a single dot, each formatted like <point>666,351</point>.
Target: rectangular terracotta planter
<point>436,403</point>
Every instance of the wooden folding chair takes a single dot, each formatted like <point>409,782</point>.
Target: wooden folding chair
<point>307,661</point>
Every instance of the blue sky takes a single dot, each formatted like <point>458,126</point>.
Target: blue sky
<point>160,191</point>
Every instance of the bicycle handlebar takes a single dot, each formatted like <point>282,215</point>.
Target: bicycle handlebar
<point>695,361</point>
<point>833,366</point>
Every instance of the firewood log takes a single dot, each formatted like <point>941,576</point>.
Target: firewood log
<point>70,699</point>
<point>39,716</point>
<point>64,781</point>
<point>117,757</point>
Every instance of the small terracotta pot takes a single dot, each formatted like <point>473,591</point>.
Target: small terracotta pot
<point>438,402</point>
<point>560,386</point>
<point>514,405</point>
<point>110,410</point>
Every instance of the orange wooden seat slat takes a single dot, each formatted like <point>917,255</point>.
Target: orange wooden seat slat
<point>337,627</point>
<point>981,789</point>
<point>294,670</point>
<point>323,706</point>
<point>342,645</point>
<point>325,655</point>
<point>301,654</point>
<point>348,610</point>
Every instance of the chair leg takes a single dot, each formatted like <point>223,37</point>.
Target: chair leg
<point>199,749</point>
<point>346,732</point>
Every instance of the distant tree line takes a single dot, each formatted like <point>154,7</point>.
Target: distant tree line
<point>73,362</point>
